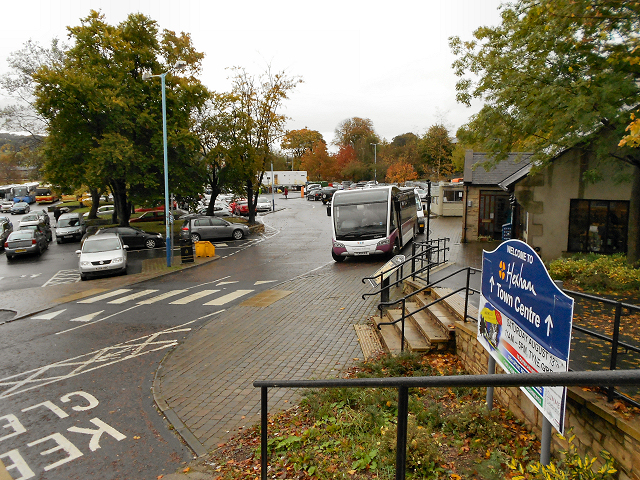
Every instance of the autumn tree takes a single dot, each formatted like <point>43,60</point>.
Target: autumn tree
<point>259,103</point>
<point>436,148</point>
<point>359,134</point>
<point>401,172</point>
<point>104,122</point>
<point>318,163</point>
<point>404,147</point>
<point>300,141</point>
<point>555,75</point>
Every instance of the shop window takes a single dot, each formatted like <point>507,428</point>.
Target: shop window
<point>598,226</point>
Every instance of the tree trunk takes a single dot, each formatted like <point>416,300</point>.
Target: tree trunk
<point>633,235</point>
<point>119,191</point>
<point>250,204</point>
<point>95,202</point>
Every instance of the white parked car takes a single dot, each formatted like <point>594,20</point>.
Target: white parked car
<point>103,210</point>
<point>6,206</point>
<point>102,254</point>
<point>263,205</point>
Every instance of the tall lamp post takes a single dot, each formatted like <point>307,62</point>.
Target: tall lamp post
<point>375,162</point>
<point>179,65</point>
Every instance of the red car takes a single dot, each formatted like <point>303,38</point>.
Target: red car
<point>241,208</point>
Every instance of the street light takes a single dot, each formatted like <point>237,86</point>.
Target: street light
<point>179,65</point>
<point>375,162</point>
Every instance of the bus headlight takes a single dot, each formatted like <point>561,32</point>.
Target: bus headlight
<point>384,241</point>
<point>338,245</point>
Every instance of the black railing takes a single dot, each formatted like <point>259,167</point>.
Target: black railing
<point>565,379</point>
<point>614,339</point>
<point>426,251</point>
<point>403,301</point>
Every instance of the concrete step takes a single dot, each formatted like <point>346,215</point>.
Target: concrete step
<point>432,331</point>
<point>388,336</point>
<point>455,303</point>
<point>416,341</point>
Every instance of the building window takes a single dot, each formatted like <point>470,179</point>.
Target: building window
<point>452,195</point>
<point>598,226</point>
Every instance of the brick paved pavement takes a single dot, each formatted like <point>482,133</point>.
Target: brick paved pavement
<point>207,381</point>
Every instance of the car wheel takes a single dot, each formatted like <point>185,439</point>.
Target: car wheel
<point>9,258</point>
<point>195,237</point>
<point>151,243</point>
<point>83,277</point>
<point>337,258</point>
<point>58,241</point>
<point>396,249</point>
<point>238,234</point>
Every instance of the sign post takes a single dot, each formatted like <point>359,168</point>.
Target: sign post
<point>525,321</point>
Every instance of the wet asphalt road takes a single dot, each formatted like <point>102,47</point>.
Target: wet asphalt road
<point>75,398</point>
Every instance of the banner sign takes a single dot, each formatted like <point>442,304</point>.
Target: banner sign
<point>524,321</point>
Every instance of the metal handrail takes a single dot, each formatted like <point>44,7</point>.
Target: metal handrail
<point>404,299</point>
<point>564,379</point>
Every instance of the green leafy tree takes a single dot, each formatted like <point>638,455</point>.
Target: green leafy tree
<point>436,148</point>
<point>555,74</point>
<point>221,130</point>
<point>104,122</point>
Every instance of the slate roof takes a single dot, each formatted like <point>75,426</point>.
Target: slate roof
<point>515,165</point>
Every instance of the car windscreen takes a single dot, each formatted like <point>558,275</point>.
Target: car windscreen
<point>68,222</point>
<point>101,245</point>
<point>30,218</point>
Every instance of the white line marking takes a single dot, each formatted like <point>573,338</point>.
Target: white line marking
<point>227,283</point>
<point>192,297</point>
<point>87,318</point>
<point>220,245</point>
<point>162,296</point>
<point>106,295</point>
<point>96,321</point>
<point>35,275</point>
<point>208,283</point>
<point>228,297</point>
<point>48,316</point>
<point>261,282</point>
<point>133,296</point>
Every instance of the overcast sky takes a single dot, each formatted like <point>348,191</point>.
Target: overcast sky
<point>387,61</point>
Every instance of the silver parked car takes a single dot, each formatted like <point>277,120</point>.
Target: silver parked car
<point>71,226</point>
<point>208,228</point>
<point>100,254</point>
<point>25,242</point>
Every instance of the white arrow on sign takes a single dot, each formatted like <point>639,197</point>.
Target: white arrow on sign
<point>492,283</point>
<point>549,323</point>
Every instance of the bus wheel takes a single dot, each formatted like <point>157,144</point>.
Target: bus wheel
<point>396,249</point>
<point>337,258</point>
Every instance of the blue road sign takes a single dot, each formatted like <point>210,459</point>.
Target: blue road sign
<point>525,321</point>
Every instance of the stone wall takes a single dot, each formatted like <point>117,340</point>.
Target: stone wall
<point>596,424</point>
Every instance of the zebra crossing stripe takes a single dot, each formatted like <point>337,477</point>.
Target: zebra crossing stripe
<point>162,296</point>
<point>114,293</point>
<point>228,297</point>
<point>192,297</point>
<point>133,296</point>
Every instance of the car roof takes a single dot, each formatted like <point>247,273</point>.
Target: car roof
<point>102,236</point>
<point>69,214</point>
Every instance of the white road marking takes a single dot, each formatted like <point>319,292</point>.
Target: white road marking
<point>162,296</point>
<point>35,275</point>
<point>86,318</point>
<point>262,282</point>
<point>229,297</point>
<point>220,245</point>
<point>113,293</point>
<point>227,283</point>
<point>63,276</point>
<point>192,297</point>
<point>48,316</point>
<point>88,362</point>
<point>133,296</point>
<point>97,321</point>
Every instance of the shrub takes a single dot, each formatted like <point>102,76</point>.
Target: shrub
<point>597,272</point>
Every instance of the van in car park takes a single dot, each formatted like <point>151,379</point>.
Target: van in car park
<point>71,226</point>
